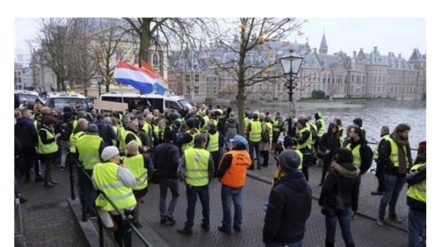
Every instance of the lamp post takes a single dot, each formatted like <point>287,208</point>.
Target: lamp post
<point>291,64</point>
<point>98,79</point>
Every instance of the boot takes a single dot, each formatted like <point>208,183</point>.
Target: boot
<point>53,181</point>
<point>48,185</point>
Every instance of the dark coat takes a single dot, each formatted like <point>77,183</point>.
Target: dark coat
<point>346,173</point>
<point>166,160</point>
<point>328,143</point>
<point>285,219</point>
<point>26,133</point>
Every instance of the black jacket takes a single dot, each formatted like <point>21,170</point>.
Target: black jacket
<point>328,143</point>
<point>26,133</point>
<point>290,205</point>
<point>166,160</point>
<point>346,173</point>
<point>365,152</point>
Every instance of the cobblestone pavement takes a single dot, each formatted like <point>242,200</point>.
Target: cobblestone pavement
<point>48,221</point>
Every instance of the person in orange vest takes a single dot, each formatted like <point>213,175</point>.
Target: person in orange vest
<point>232,175</point>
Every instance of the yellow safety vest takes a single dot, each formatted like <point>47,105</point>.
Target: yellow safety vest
<point>307,143</point>
<point>270,129</point>
<point>356,154</point>
<point>276,125</point>
<point>213,142</point>
<point>322,129</point>
<point>394,156</point>
<point>124,145</point>
<point>255,133</point>
<point>106,179</point>
<point>191,143</point>
<point>417,191</point>
<point>122,130</point>
<point>135,164</point>
<point>74,140</point>
<point>47,148</point>
<point>196,170</point>
<point>88,150</point>
<point>376,150</point>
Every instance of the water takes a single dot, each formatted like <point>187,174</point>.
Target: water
<point>374,117</point>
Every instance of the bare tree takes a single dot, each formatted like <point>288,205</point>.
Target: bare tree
<point>174,31</point>
<point>108,47</point>
<point>244,62</point>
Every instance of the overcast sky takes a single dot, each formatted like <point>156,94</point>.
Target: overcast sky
<point>397,35</point>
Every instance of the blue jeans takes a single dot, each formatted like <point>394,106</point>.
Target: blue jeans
<point>416,223</point>
<point>230,195</point>
<point>393,186</point>
<point>255,146</point>
<point>191,197</point>
<point>294,244</point>
<point>344,219</point>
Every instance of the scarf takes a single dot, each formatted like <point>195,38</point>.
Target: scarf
<point>401,145</point>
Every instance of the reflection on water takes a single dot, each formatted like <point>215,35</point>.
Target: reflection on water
<point>374,117</point>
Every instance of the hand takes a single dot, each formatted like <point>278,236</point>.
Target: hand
<point>57,135</point>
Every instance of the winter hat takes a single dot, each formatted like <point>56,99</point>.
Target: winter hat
<point>289,160</point>
<point>343,155</point>
<point>92,128</point>
<point>109,152</point>
<point>239,139</point>
<point>422,148</point>
<point>302,120</point>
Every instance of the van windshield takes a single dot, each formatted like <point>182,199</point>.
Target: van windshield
<point>74,103</point>
<point>185,102</point>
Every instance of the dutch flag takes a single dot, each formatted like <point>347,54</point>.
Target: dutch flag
<point>136,77</point>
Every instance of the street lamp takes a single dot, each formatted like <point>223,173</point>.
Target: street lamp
<point>98,79</point>
<point>291,64</point>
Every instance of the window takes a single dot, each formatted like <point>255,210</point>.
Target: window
<point>188,89</point>
<point>155,60</point>
<point>214,90</point>
<point>196,89</point>
<point>197,78</point>
<point>187,78</point>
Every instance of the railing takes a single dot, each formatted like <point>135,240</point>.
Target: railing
<point>127,218</point>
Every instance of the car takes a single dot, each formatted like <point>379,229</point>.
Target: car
<point>21,96</point>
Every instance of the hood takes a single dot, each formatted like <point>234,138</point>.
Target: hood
<point>292,180</point>
<point>347,170</point>
<point>231,120</point>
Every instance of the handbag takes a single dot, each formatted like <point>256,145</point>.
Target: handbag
<point>337,203</point>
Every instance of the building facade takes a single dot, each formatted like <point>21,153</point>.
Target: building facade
<point>196,74</point>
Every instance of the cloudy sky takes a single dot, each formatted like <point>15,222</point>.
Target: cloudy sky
<point>397,35</point>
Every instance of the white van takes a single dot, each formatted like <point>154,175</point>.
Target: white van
<point>28,96</point>
<point>154,101</point>
<point>75,101</point>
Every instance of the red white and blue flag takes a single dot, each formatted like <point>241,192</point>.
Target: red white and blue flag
<point>136,77</point>
<point>161,84</point>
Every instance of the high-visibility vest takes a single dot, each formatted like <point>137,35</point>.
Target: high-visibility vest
<point>124,137</point>
<point>300,159</point>
<point>255,133</point>
<point>105,176</point>
<point>74,140</point>
<point>135,164</point>
<point>270,129</point>
<point>322,130</point>
<point>74,123</point>
<point>235,176</point>
<point>276,125</point>
<point>394,156</point>
<point>417,191</point>
<point>356,154</point>
<point>47,148</point>
<point>122,130</point>
<point>88,150</point>
<point>196,170</point>
<point>213,142</point>
<point>376,150</point>
<point>308,142</point>
<point>146,127</point>
<point>191,143</point>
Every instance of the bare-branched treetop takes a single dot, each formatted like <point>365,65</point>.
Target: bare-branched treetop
<point>244,42</point>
